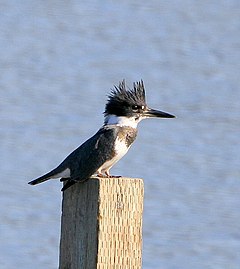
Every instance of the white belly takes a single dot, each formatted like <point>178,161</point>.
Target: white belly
<point>120,150</point>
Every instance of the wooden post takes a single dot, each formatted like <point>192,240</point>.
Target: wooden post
<point>102,225</point>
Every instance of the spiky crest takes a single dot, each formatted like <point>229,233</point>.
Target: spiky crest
<point>123,96</point>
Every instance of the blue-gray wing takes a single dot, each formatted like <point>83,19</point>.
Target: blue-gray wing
<point>91,155</point>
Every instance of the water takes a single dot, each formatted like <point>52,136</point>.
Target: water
<point>58,61</point>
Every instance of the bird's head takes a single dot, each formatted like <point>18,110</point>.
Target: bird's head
<point>127,107</point>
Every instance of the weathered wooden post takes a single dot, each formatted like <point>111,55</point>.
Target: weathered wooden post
<point>102,225</point>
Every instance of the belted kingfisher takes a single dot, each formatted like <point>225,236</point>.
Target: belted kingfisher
<point>125,108</point>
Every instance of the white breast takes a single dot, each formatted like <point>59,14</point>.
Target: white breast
<point>120,150</point>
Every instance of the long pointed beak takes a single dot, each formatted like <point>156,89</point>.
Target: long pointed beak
<point>152,113</point>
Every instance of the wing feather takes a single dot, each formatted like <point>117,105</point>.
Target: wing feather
<point>91,155</point>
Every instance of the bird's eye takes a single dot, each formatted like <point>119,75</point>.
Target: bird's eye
<point>134,108</point>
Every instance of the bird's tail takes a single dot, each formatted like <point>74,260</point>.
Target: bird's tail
<point>45,177</point>
<point>39,180</point>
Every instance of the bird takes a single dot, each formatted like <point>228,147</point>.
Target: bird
<point>124,109</point>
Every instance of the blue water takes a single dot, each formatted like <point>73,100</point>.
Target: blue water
<point>59,60</point>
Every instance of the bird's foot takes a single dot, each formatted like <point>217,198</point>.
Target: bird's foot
<point>102,176</point>
<point>107,176</point>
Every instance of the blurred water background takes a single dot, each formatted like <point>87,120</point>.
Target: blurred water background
<point>59,60</point>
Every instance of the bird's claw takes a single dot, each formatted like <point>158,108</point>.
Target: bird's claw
<point>107,176</point>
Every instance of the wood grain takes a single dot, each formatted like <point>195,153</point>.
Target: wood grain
<point>102,225</point>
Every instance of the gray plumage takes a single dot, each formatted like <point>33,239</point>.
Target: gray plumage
<point>84,161</point>
<point>124,109</point>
